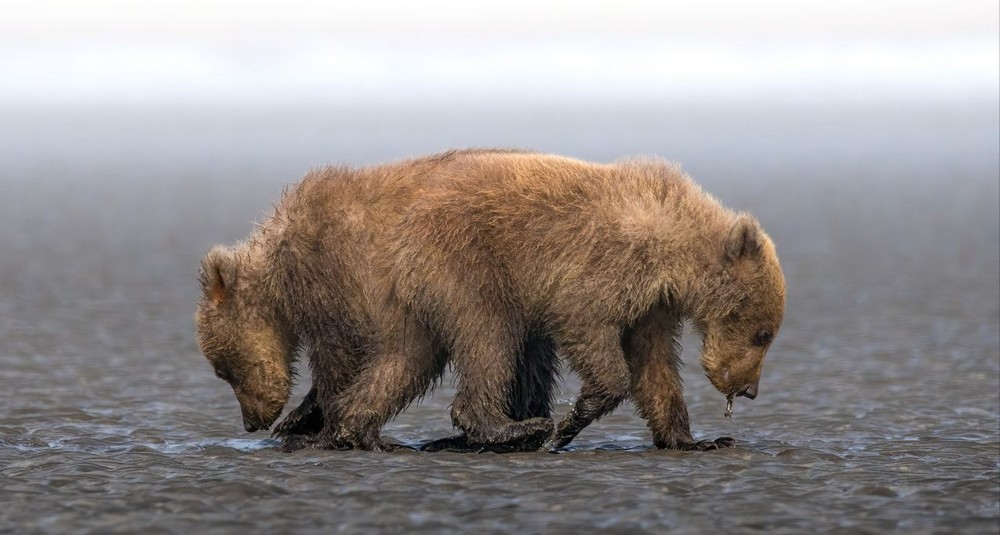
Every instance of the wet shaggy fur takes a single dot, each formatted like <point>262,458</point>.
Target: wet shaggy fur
<point>605,262</point>
<point>311,279</point>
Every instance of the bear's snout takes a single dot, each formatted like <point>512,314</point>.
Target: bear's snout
<point>749,391</point>
<point>255,422</point>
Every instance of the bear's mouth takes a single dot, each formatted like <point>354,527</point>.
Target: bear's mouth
<point>729,406</point>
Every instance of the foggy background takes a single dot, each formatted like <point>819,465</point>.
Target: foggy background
<point>149,54</point>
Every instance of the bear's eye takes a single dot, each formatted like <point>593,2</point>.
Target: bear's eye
<point>762,338</point>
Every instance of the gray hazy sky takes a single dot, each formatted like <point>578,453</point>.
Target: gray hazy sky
<point>255,52</point>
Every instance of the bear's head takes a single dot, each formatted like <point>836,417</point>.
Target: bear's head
<point>239,336</point>
<point>741,318</point>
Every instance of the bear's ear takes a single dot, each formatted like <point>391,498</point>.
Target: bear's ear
<point>218,273</point>
<point>745,239</point>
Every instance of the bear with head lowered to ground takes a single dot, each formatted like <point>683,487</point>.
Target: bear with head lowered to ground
<point>606,262</point>
<point>311,279</point>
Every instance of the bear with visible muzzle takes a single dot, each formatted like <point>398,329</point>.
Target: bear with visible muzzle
<point>312,280</point>
<point>607,261</point>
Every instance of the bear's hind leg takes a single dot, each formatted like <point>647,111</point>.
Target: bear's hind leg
<point>530,397</point>
<point>534,380</point>
<point>596,355</point>
<point>486,361</point>
<point>401,372</point>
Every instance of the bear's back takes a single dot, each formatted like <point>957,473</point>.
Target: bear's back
<point>549,203</point>
<point>552,226</point>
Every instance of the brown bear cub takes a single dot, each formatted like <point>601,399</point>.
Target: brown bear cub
<point>606,261</point>
<point>313,279</point>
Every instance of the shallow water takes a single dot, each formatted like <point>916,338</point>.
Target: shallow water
<point>879,408</point>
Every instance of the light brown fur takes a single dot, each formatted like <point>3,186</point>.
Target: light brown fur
<point>311,278</point>
<point>606,261</point>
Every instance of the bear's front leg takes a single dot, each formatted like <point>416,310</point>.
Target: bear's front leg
<point>402,371</point>
<point>653,353</point>
<point>306,419</point>
<point>667,417</point>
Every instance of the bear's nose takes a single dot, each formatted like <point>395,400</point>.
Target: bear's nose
<point>249,426</point>
<point>749,392</point>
